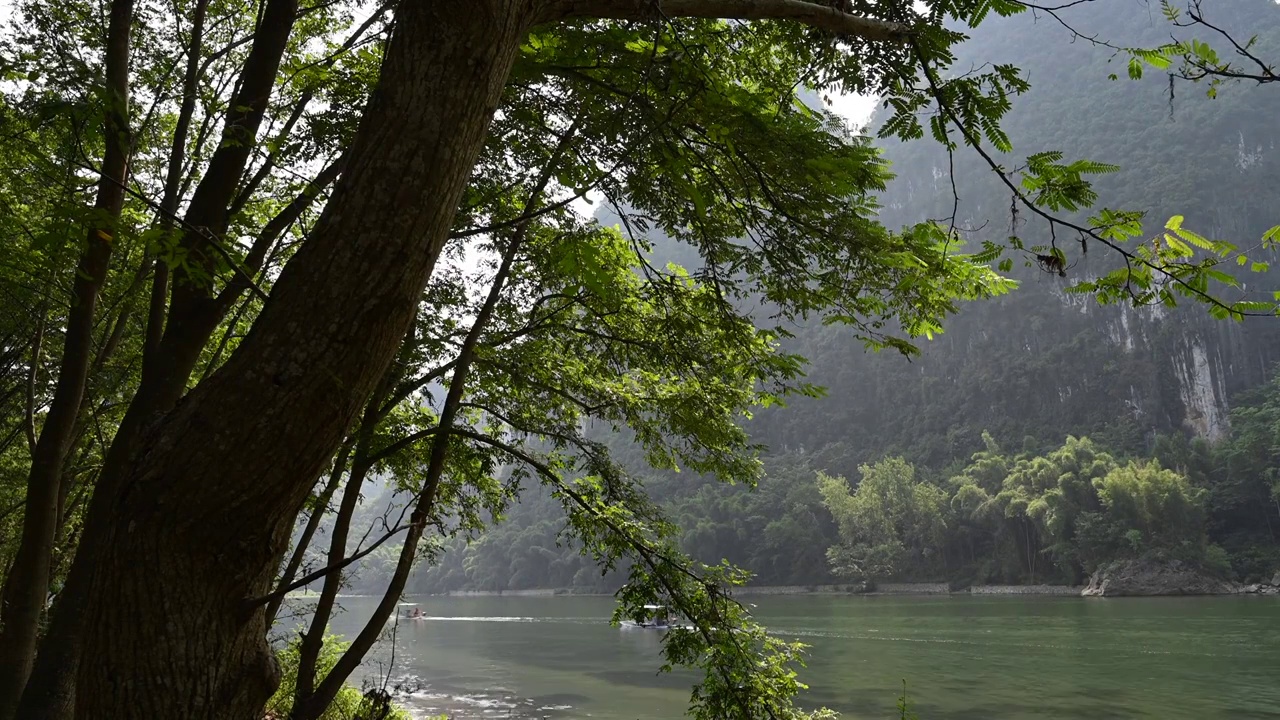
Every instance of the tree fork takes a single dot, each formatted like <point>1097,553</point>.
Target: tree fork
<point>170,353</point>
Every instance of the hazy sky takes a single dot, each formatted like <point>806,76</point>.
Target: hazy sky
<point>856,109</point>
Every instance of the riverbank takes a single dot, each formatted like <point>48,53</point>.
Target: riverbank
<point>912,589</point>
<point>1137,577</point>
<point>846,589</point>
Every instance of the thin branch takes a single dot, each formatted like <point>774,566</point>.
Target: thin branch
<point>204,233</point>
<point>29,421</point>
<point>976,143</point>
<point>649,555</point>
<point>306,580</point>
<point>1268,74</point>
<point>13,508</point>
<point>274,228</point>
<point>403,443</point>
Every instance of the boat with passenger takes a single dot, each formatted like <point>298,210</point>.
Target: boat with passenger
<point>410,611</point>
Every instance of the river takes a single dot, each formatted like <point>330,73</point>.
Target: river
<point>964,658</point>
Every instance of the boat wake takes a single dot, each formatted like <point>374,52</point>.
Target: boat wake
<point>429,703</point>
<point>502,619</point>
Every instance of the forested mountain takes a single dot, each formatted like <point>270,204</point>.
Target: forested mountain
<point>1038,362</point>
<point>1013,377</point>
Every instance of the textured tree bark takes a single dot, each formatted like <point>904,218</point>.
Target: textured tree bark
<point>203,513</point>
<point>27,582</point>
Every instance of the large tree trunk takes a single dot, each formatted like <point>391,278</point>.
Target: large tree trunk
<point>27,583</point>
<point>203,515</point>
<point>50,692</point>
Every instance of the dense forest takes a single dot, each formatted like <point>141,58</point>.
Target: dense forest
<point>1170,401</point>
<point>301,295</point>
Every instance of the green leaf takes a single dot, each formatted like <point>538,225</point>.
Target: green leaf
<point>1254,306</point>
<point>1135,69</point>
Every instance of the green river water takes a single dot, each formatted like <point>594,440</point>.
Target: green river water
<point>964,658</point>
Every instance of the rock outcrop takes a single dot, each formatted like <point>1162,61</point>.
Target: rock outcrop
<point>1264,588</point>
<point>1155,577</point>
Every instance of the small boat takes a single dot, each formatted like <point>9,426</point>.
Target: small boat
<point>411,611</point>
<point>656,617</point>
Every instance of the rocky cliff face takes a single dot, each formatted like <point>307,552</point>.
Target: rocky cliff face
<point>1036,364</point>
<point>1201,365</point>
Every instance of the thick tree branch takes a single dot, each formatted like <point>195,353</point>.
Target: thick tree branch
<point>822,17</point>
<point>27,579</point>
<point>310,705</point>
